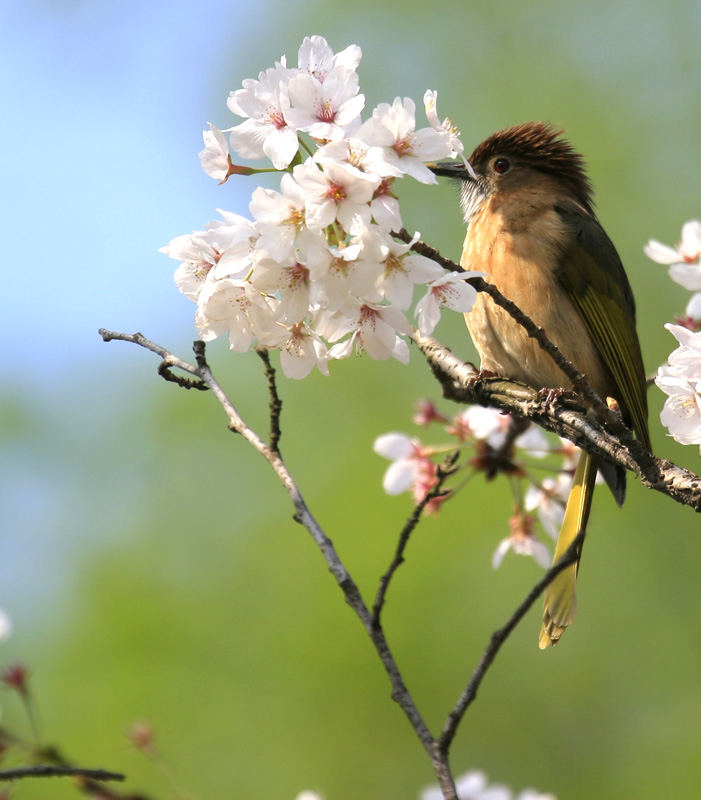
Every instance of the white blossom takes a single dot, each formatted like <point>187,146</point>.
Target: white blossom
<point>685,260</point>
<point>198,257</point>
<point>324,110</point>
<point>215,156</point>
<point>315,272</point>
<point>449,290</point>
<point>316,57</point>
<point>549,499</point>
<point>404,454</point>
<point>301,351</point>
<point>266,132</point>
<point>393,127</point>
<point>335,192</point>
<point>680,379</point>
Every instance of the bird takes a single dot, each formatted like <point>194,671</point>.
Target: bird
<point>531,228</point>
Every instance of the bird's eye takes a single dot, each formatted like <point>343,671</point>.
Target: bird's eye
<point>502,165</point>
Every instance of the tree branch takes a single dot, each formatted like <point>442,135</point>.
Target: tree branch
<point>444,472</point>
<point>50,771</point>
<point>275,401</point>
<point>304,517</point>
<point>563,416</point>
<point>498,638</point>
<point>460,382</point>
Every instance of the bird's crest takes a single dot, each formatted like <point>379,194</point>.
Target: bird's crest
<point>538,145</point>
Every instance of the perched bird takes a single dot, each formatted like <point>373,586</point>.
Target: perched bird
<point>531,228</point>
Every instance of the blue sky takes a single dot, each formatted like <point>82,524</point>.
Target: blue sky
<point>104,104</point>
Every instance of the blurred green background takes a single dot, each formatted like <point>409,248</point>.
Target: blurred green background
<point>149,559</point>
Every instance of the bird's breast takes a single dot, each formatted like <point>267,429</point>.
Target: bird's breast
<point>519,245</point>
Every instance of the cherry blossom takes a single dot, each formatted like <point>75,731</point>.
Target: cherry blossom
<point>406,455</point>
<point>680,380</point>
<point>393,127</point>
<point>266,132</point>
<point>215,159</point>
<point>335,192</point>
<point>316,57</point>
<point>324,110</point>
<point>449,290</point>
<point>315,272</point>
<point>523,541</point>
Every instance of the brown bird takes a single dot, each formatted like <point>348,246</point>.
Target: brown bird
<point>531,227</point>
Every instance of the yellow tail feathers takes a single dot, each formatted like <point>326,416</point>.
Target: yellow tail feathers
<point>560,603</point>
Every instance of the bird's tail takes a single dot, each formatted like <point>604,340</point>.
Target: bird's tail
<point>560,603</point>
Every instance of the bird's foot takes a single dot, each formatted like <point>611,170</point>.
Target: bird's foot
<point>551,396</point>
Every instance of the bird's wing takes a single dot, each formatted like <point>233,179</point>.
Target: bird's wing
<point>592,275</point>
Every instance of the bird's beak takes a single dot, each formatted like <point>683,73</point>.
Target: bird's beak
<point>453,169</point>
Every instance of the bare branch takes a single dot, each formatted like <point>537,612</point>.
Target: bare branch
<point>303,515</point>
<point>444,472</point>
<point>564,416</point>
<point>164,370</point>
<point>275,401</point>
<point>51,771</point>
<point>498,638</point>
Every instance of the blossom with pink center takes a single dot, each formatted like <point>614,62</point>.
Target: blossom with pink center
<point>393,128</point>
<point>408,460</point>
<point>235,308</point>
<point>266,132</point>
<point>316,57</point>
<point>335,192</point>
<point>680,380</point>
<point>198,257</point>
<point>523,541</point>
<point>449,290</point>
<point>324,110</point>
<point>291,279</point>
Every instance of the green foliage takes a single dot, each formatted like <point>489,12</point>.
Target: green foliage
<point>169,582</point>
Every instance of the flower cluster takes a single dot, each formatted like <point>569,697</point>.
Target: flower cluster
<point>471,785</point>
<point>474,785</point>
<point>483,437</point>
<point>316,272</point>
<point>680,378</point>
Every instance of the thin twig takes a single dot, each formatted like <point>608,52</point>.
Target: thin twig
<point>458,379</point>
<point>498,638</point>
<point>275,401</point>
<point>563,416</point>
<point>49,771</point>
<point>444,472</point>
<point>303,515</point>
<point>164,370</point>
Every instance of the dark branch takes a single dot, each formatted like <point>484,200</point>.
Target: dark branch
<point>275,401</point>
<point>50,771</point>
<point>164,370</point>
<point>447,469</point>
<point>564,416</point>
<point>496,642</point>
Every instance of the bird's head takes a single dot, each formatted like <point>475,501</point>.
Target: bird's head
<point>524,158</point>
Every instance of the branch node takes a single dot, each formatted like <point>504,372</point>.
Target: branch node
<point>165,371</point>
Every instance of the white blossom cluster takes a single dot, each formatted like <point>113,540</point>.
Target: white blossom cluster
<point>315,272</point>
<point>479,435</point>
<point>474,785</point>
<point>680,378</point>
